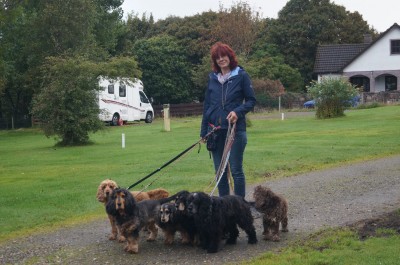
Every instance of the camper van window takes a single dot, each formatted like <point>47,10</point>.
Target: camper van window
<point>122,91</point>
<point>110,89</point>
<point>143,97</point>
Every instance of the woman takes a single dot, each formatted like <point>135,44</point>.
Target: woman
<point>228,98</point>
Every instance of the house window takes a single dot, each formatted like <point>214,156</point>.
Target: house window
<point>361,82</point>
<point>122,90</point>
<point>390,83</point>
<point>395,46</point>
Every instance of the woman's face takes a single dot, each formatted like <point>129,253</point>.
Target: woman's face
<point>223,62</point>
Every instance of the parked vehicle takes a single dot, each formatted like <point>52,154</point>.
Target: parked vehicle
<point>121,101</point>
<point>353,102</point>
<point>309,104</point>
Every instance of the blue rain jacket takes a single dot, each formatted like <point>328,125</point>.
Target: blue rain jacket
<point>235,94</point>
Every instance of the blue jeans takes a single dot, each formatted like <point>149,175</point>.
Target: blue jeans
<point>235,161</point>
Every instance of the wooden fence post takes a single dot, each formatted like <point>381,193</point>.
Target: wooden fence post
<point>167,120</point>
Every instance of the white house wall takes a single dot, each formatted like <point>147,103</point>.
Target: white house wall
<point>378,56</point>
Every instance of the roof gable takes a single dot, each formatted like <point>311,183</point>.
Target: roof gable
<point>394,26</point>
<point>334,58</point>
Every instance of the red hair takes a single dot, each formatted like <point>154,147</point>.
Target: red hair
<point>220,49</point>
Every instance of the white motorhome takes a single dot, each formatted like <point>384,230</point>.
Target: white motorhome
<point>121,100</point>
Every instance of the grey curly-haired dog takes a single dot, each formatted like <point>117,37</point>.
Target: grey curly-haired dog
<point>274,209</point>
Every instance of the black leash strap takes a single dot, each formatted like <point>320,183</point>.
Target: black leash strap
<point>173,159</point>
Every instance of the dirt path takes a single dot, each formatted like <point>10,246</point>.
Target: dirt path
<point>319,199</point>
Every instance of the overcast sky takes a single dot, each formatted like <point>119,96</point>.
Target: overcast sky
<point>381,14</point>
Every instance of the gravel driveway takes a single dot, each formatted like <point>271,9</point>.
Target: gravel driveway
<point>327,198</point>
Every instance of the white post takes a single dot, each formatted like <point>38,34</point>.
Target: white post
<point>279,103</point>
<point>123,140</point>
<point>283,116</point>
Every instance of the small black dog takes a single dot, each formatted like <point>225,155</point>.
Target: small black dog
<point>132,216</point>
<point>186,220</point>
<point>170,222</point>
<point>216,217</point>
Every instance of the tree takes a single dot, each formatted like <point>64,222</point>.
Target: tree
<point>15,95</point>
<point>108,27</point>
<point>267,91</point>
<point>265,62</point>
<point>166,71</point>
<point>242,24</point>
<point>303,24</point>
<point>135,29</point>
<point>332,96</point>
<point>67,105</point>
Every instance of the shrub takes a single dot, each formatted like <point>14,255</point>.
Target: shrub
<point>332,96</point>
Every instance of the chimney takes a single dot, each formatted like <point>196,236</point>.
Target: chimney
<point>367,38</point>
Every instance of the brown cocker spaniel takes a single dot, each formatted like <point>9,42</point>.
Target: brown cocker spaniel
<point>274,209</point>
<point>104,192</point>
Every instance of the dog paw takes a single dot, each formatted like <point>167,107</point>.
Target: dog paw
<point>275,238</point>
<point>150,239</point>
<point>121,239</point>
<point>231,241</point>
<point>185,241</point>
<point>112,237</point>
<point>168,242</point>
<point>252,241</point>
<point>212,250</point>
<point>267,237</point>
<point>132,249</point>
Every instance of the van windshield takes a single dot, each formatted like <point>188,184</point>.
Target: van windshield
<point>143,97</point>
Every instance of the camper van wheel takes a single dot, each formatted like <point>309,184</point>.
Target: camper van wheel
<point>115,119</point>
<point>149,117</point>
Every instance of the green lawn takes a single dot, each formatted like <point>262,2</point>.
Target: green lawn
<point>337,247</point>
<point>45,186</point>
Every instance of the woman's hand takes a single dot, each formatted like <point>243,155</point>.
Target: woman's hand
<point>232,117</point>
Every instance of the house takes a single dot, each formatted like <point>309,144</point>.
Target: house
<point>373,65</point>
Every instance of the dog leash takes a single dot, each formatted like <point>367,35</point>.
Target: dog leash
<point>230,138</point>
<point>214,129</point>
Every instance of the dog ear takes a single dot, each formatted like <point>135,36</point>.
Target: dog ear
<point>273,201</point>
<point>203,202</point>
<point>110,206</point>
<point>100,194</point>
<point>130,202</point>
<point>172,210</point>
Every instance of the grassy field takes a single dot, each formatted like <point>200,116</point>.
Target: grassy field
<point>44,186</point>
